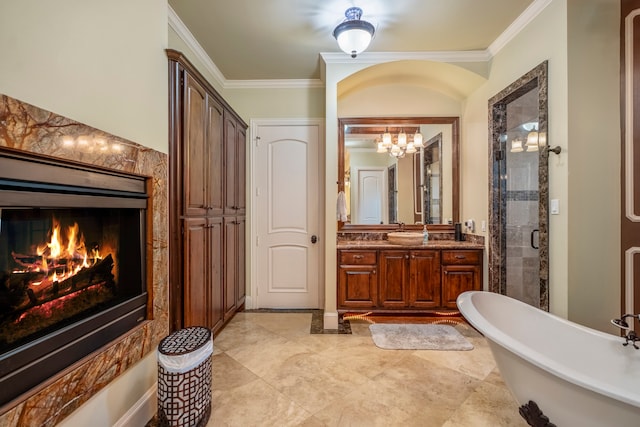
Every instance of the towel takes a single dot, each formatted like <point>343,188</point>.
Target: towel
<point>341,207</point>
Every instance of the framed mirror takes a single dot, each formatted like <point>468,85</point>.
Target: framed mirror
<point>399,170</point>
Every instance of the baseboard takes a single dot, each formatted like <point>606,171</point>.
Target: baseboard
<point>248,302</point>
<point>142,411</point>
<point>331,320</point>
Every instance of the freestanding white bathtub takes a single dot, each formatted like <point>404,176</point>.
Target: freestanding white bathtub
<point>576,375</point>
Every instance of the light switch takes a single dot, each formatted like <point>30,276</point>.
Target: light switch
<point>555,207</point>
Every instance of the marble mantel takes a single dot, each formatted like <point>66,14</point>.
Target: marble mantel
<point>31,129</point>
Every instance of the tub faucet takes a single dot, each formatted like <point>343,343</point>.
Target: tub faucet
<point>401,226</point>
<point>631,336</point>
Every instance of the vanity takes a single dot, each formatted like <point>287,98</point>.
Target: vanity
<point>387,193</point>
<point>377,276</point>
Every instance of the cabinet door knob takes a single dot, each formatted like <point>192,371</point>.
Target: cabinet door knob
<point>373,272</point>
<point>406,257</point>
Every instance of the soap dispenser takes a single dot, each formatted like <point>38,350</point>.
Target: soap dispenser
<point>425,235</point>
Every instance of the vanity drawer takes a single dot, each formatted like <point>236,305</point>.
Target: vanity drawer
<point>462,257</point>
<point>357,257</point>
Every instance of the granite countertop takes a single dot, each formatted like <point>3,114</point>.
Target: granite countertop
<point>384,244</point>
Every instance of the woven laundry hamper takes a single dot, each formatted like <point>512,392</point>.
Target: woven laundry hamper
<point>184,378</point>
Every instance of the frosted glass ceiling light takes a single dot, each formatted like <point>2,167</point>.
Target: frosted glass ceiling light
<point>353,35</point>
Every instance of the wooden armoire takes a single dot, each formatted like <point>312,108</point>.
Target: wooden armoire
<point>207,201</point>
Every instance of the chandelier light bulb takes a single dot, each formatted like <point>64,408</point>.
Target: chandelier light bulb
<point>417,139</point>
<point>402,139</point>
<point>386,139</point>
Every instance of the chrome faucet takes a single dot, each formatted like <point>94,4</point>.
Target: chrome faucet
<point>631,336</point>
<point>401,226</point>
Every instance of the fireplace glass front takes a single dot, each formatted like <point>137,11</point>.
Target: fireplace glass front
<point>59,266</point>
<point>72,266</point>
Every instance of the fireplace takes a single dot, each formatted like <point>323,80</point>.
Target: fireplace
<point>72,264</point>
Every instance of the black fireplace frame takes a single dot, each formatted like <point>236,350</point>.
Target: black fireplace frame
<point>58,183</point>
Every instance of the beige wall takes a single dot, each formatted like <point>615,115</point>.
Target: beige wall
<point>102,64</point>
<point>594,254</point>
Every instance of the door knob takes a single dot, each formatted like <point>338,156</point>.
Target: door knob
<point>314,238</point>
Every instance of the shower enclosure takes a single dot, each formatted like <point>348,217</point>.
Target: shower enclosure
<point>518,252</point>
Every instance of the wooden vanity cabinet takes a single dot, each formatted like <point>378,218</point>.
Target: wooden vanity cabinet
<point>394,279</point>
<point>461,271</point>
<point>357,275</point>
<point>424,279</point>
<point>409,280</point>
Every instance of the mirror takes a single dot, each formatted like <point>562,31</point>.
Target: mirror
<point>385,185</point>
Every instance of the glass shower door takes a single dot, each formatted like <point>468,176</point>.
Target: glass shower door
<point>519,190</point>
<point>520,196</point>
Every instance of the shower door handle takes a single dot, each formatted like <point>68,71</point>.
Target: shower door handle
<point>533,232</point>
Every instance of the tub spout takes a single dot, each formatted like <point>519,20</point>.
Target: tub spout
<point>632,338</point>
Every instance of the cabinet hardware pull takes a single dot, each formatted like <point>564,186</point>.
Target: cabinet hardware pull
<point>358,257</point>
<point>460,257</point>
<point>373,272</point>
<point>406,257</point>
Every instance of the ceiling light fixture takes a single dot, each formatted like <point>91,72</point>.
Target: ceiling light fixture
<point>353,34</point>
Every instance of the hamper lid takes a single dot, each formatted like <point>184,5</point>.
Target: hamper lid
<point>185,340</point>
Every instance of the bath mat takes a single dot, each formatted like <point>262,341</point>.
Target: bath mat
<point>393,336</point>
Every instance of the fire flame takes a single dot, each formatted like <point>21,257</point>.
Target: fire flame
<point>72,249</point>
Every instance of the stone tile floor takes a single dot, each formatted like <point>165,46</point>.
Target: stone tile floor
<point>269,370</point>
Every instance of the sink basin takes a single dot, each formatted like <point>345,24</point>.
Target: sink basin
<point>405,238</point>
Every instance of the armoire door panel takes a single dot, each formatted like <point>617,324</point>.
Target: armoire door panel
<point>195,281</point>
<point>195,161</point>
<point>215,135</point>
<point>230,265</point>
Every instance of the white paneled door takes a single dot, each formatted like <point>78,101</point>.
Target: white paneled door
<point>286,213</point>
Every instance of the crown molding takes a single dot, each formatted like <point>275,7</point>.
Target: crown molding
<point>381,57</point>
<point>518,25</point>
<point>274,84</point>
<point>183,32</point>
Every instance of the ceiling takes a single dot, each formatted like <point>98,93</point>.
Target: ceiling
<point>283,39</point>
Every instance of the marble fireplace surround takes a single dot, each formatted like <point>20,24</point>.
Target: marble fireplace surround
<point>31,129</point>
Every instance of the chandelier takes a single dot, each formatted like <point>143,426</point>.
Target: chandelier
<point>399,145</point>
